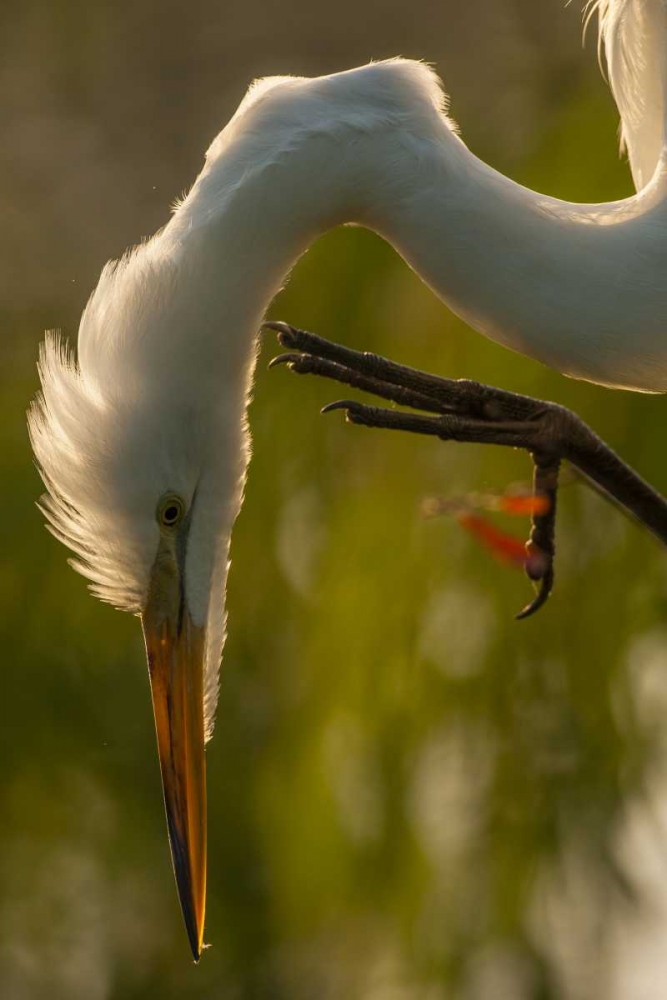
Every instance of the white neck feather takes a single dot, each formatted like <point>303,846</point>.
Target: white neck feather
<point>579,287</point>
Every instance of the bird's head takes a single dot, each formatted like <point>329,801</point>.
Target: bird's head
<point>144,462</point>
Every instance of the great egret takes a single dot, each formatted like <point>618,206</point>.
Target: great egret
<point>143,444</point>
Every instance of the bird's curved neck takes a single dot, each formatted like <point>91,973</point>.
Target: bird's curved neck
<point>562,283</point>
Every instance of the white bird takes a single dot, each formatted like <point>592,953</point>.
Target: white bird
<point>143,442</point>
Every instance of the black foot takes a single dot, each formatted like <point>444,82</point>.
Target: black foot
<point>462,410</point>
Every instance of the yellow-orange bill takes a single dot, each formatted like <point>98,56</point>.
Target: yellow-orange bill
<point>175,648</point>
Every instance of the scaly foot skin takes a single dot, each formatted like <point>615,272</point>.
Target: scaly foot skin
<point>467,411</point>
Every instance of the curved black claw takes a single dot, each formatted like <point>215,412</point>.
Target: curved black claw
<point>283,359</point>
<point>340,404</point>
<point>545,586</point>
<point>303,364</point>
<point>286,333</point>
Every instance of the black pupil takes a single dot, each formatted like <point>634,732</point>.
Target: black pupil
<point>171,513</point>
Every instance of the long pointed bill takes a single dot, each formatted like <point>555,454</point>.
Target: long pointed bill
<point>175,648</point>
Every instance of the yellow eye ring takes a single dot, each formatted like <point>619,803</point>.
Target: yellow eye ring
<point>170,511</point>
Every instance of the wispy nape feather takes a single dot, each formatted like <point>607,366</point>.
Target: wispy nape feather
<point>65,427</point>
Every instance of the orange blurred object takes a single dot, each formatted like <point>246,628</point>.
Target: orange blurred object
<point>505,547</point>
<point>521,504</point>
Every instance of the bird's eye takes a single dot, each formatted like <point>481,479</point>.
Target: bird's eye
<point>170,511</point>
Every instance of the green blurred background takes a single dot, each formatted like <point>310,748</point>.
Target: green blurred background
<point>412,796</point>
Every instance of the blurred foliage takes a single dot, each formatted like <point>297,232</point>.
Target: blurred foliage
<point>412,796</point>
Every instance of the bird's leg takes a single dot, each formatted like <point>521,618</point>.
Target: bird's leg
<point>516,434</point>
<point>467,411</point>
<point>540,549</point>
<point>385,378</point>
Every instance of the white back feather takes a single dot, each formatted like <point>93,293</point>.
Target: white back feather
<point>633,34</point>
